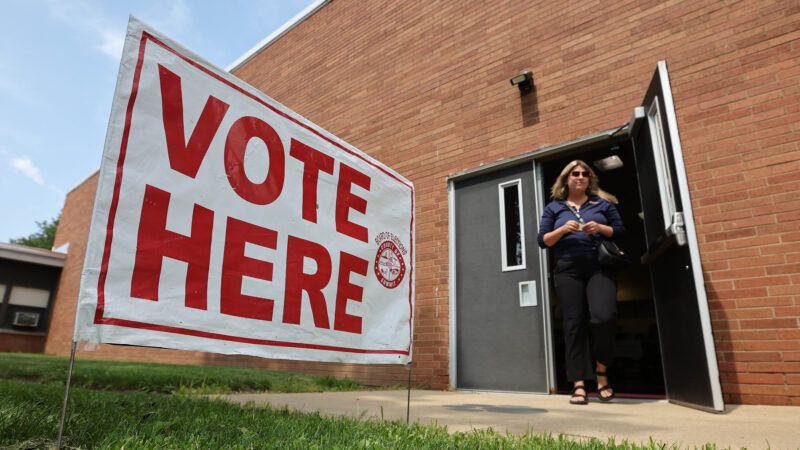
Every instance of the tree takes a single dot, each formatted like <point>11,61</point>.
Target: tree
<point>43,238</point>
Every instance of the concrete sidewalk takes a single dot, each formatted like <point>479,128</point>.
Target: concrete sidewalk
<point>753,427</point>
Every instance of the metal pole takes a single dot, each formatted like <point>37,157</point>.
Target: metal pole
<point>66,394</point>
<point>408,401</point>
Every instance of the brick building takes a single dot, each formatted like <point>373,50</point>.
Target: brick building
<point>709,145</point>
<point>28,281</point>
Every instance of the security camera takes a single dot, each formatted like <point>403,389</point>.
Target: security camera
<point>524,81</point>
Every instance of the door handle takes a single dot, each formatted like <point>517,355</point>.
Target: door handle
<point>677,228</point>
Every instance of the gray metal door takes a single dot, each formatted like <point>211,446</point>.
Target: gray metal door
<point>500,332</point>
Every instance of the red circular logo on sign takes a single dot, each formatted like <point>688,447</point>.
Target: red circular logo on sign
<point>389,265</point>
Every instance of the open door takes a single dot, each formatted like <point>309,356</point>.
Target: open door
<point>691,374</point>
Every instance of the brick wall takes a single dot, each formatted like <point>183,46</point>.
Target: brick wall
<point>19,342</point>
<point>423,86</point>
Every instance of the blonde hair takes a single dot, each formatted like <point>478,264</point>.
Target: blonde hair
<point>560,190</point>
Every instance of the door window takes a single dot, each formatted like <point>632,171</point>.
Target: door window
<point>512,228</point>
<point>662,162</point>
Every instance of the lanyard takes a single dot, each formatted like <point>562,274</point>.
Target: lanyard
<point>577,214</point>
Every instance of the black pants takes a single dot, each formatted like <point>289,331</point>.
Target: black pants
<point>588,296</point>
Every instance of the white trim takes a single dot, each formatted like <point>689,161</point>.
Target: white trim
<point>501,192</point>
<point>32,255</point>
<point>663,172</point>
<point>544,286</point>
<point>451,281</point>
<point>275,35</point>
<point>691,233</point>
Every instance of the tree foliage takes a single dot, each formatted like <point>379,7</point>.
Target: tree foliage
<point>43,238</point>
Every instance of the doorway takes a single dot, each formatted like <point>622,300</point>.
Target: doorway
<point>665,342</point>
<point>637,371</point>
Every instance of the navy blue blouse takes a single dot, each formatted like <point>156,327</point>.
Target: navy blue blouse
<point>579,244</point>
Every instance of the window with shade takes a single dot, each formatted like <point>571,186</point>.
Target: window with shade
<point>23,308</point>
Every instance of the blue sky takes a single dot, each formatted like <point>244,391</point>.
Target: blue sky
<point>58,68</point>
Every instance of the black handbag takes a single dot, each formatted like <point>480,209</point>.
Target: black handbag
<point>610,255</point>
<point>608,252</point>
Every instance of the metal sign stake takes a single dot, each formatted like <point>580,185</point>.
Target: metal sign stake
<point>66,395</point>
<point>408,401</point>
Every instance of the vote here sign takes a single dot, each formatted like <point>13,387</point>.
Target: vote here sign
<point>225,222</point>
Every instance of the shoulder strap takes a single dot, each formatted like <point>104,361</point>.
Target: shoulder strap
<point>596,237</point>
<point>575,212</point>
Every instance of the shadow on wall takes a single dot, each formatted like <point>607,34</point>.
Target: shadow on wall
<point>530,107</point>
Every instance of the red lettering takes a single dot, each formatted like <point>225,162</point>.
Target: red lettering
<point>347,291</point>
<point>346,200</point>
<point>298,281</point>
<point>235,265</point>
<point>155,242</point>
<point>313,162</point>
<point>241,132</point>
<point>186,158</point>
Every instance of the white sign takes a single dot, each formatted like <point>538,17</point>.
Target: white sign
<point>225,222</point>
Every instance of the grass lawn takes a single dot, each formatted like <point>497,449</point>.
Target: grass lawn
<point>135,405</point>
<point>162,378</point>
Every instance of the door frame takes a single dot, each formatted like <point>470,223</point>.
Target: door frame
<point>596,138</point>
<point>543,288</point>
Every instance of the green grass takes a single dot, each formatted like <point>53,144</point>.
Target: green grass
<point>123,405</point>
<point>162,378</point>
<point>29,414</point>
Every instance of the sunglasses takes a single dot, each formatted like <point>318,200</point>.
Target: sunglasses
<point>580,173</point>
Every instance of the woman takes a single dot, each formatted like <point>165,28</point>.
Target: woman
<point>579,216</point>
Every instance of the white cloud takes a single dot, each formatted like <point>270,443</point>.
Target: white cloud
<point>112,43</point>
<point>179,14</point>
<point>172,18</point>
<point>86,19</point>
<point>25,165</point>
<point>57,191</point>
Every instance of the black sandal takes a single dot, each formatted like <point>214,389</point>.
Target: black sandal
<point>583,398</point>
<point>607,387</point>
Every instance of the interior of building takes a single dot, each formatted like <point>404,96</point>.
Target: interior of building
<point>637,369</point>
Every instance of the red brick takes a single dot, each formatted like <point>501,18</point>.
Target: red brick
<point>764,301</point>
<point>762,281</point>
<point>756,378</point>
<point>756,356</point>
<point>21,343</point>
<point>769,345</point>
<point>752,324</point>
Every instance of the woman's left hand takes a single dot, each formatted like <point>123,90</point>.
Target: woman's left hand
<point>594,228</point>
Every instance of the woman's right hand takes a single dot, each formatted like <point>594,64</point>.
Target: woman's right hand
<point>552,237</point>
